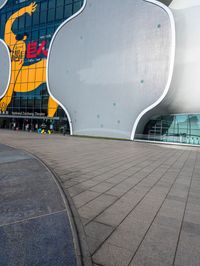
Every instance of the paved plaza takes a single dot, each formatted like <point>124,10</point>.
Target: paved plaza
<point>133,203</point>
<point>34,219</point>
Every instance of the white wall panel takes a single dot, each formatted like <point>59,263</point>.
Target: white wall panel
<point>109,63</point>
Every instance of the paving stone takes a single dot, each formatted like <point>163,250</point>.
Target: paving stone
<point>75,190</point>
<point>194,199</point>
<point>120,209</point>
<point>118,190</point>
<point>129,234</point>
<point>120,177</point>
<point>93,244</point>
<point>109,255</point>
<point>177,198</point>
<point>27,191</point>
<point>40,241</point>
<point>191,228</point>
<point>102,187</point>
<point>68,183</point>
<point>4,148</point>
<point>94,207</point>
<point>96,234</point>
<point>179,193</point>
<point>12,156</point>
<point>172,222</point>
<point>133,228</point>
<point>193,207</point>
<point>188,250</point>
<point>84,220</point>
<point>84,197</point>
<point>89,183</point>
<point>172,209</point>
<point>98,230</point>
<point>158,248</point>
<point>192,216</point>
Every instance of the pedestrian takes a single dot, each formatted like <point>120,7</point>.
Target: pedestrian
<point>27,127</point>
<point>51,128</point>
<point>64,130</point>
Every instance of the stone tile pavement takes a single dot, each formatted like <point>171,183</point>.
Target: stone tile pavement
<point>35,223</point>
<point>139,203</point>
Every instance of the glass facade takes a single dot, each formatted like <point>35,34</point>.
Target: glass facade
<point>173,128</point>
<point>27,29</point>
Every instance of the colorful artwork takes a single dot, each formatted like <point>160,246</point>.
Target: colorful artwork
<point>27,28</point>
<point>33,75</point>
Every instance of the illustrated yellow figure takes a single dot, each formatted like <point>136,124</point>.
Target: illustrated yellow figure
<point>23,78</point>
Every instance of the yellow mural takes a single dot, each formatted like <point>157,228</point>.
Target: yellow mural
<point>23,78</point>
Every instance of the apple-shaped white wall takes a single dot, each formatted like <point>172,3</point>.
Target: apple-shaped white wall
<point>183,95</point>
<point>109,63</point>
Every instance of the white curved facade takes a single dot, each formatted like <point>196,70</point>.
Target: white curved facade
<point>183,96</point>
<point>113,67</point>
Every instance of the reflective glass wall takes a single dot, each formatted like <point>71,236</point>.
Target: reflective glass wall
<point>27,28</point>
<point>173,128</point>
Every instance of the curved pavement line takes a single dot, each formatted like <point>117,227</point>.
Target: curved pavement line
<point>46,223</point>
<point>77,226</point>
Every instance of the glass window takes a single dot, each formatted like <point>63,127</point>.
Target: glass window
<point>30,103</point>
<point>43,6</point>
<point>52,4</point>
<point>77,6</point>
<point>21,22</point>
<point>34,35</point>
<point>36,16</point>
<point>37,102</point>
<point>43,17</point>
<point>68,2</point>
<point>59,12</point>
<point>181,125</point>
<point>3,21</point>
<point>42,33</point>
<point>50,31</point>
<point>44,102</point>
<point>60,2</point>
<point>16,101</point>
<point>51,15</point>
<point>68,11</point>
<point>194,122</point>
<point>40,27</point>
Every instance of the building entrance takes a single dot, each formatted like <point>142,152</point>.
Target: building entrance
<point>180,128</point>
<point>35,124</point>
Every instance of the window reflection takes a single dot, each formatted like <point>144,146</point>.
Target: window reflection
<point>39,27</point>
<point>173,128</point>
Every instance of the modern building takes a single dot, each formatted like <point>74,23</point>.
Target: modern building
<point>28,103</point>
<point>121,70</point>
